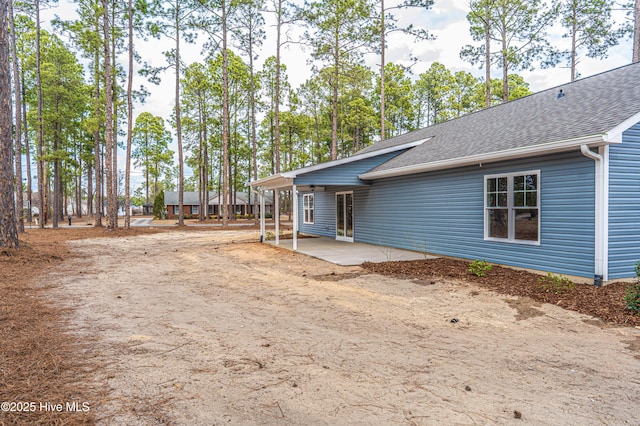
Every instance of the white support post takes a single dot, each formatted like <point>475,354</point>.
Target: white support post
<point>263,234</point>
<point>294,195</point>
<point>276,213</point>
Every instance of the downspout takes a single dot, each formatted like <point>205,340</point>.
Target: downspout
<point>600,269</point>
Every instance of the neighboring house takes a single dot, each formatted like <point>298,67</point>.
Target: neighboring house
<point>549,182</point>
<point>241,204</point>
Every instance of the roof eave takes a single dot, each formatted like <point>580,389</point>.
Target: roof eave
<point>547,148</point>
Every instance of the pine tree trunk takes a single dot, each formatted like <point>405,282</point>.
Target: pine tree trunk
<point>225,118</point>
<point>178,122</point>
<point>277,95</point>
<point>40,136</point>
<point>112,202</point>
<point>96,142</point>
<point>8,229</point>
<point>18,115</point>
<point>127,178</point>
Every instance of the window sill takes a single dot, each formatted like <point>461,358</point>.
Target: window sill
<point>505,240</point>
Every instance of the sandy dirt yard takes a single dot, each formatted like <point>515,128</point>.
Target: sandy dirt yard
<point>213,328</point>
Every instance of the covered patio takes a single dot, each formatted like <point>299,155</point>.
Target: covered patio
<point>348,254</point>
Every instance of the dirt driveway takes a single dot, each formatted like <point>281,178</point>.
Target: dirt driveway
<point>212,328</point>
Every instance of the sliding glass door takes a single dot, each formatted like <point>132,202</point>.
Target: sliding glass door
<point>344,216</point>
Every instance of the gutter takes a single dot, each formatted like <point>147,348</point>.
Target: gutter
<point>601,213</point>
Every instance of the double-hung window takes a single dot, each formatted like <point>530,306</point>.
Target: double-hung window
<point>512,209</point>
<point>307,207</point>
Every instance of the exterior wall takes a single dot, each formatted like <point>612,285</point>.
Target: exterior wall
<point>443,213</point>
<point>324,212</point>
<point>624,205</point>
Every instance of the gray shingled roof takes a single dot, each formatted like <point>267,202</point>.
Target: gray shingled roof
<point>591,106</point>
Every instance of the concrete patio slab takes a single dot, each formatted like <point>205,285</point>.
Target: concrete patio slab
<point>348,254</point>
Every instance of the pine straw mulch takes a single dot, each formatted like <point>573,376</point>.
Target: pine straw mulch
<point>41,361</point>
<point>604,302</point>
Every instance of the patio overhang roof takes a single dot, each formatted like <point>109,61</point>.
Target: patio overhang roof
<point>286,179</point>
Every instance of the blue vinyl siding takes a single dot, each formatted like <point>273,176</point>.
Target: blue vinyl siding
<point>324,214</point>
<point>345,174</point>
<point>443,213</point>
<point>624,205</point>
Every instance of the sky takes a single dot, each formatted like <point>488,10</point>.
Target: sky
<point>446,20</point>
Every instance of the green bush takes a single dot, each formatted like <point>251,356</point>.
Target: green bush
<point>480,268</point>
<point>632,293</point>
<point>556,283</point>
<point>159,209</point>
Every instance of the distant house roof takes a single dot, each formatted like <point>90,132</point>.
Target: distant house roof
<point>192,198</point>
<point>594,111</point>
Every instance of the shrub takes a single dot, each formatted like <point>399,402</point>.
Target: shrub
<point>556,283</point>
<point>632,293</point>
<point>480,268</point>
<point>159,209</point>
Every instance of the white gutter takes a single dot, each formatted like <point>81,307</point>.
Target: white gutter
<point>601,214</point>
<point>509,154</point>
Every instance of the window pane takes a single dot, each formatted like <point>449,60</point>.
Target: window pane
<point>349,213</point>
<point>502,199</point>
<point>310,216</point>
<point>502,184</point>
<point>532,199</point>
<point>305,201</point>
<point>491,185</point>
<point>532,182</point>
<point>518,199</point>
<point>491,200</point>
<point>498,223</point>
<point>526,226</point>
<point>311,201</point>
<point>518,183</point>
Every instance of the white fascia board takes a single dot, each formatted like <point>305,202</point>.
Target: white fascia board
<point>615,135</point>
<point>272,182</point>
<point>510,154</point>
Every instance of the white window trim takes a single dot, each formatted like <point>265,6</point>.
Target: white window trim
<point>510,207</point>
<point>306,208</point>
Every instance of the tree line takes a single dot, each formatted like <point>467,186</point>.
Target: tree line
<point>71,101</point>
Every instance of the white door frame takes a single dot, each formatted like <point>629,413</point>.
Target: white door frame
<point>344,237</point>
